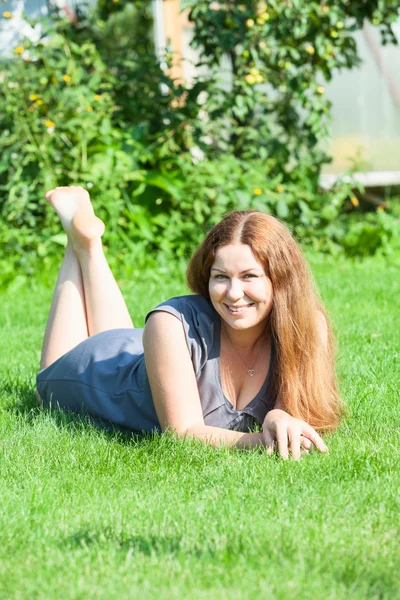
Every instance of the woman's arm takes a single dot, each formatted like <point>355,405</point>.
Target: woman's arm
<point>174,386</point>
<point>216,436</point>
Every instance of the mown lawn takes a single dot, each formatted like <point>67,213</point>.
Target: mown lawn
<point>85,514</point>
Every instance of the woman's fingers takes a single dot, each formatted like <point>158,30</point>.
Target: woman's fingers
<point>291,434</point>
<point>305,443</point>
<point>310,433</point>
<point>282,440</point>
<point>288,434</point>
<point>269,442</point>
<point>298,440</point>
<point>294,437</point>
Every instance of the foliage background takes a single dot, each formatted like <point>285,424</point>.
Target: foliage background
<point>89,104</point>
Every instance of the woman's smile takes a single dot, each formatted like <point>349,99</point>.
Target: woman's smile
<point>238,310</point>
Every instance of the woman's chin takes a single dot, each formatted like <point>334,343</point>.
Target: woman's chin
<point>239,323</point>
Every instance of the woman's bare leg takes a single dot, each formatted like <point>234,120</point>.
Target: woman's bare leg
<point>105,307</point>
<point>66,326</point>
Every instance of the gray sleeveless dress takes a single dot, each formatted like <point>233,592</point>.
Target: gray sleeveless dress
<point>105,376</point>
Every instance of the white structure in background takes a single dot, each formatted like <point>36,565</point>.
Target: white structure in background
<point>366,111</point>
<point>13,29</point>
<point>159,33</point>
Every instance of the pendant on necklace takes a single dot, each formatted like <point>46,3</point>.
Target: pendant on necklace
<point>251,372</point>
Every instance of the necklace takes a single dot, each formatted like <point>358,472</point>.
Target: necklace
<point>250,369</point>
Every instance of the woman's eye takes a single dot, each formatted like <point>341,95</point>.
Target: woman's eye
<point>246,276</point>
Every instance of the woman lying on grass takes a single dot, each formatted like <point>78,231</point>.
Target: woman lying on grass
<point>252,345</point>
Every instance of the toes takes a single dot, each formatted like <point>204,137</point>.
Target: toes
<point>75,191</point>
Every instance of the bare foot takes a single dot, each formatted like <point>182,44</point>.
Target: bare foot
<point>73,206</point>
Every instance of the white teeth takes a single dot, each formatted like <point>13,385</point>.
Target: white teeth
<point>238,310</point>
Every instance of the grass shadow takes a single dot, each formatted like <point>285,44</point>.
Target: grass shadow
<point>20,397</point>
<point>150,545</point>
<point>22,401</point>
<point>144,545</point>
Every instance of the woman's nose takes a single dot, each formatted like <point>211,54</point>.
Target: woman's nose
<point>235,290</point>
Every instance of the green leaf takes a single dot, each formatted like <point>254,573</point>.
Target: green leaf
<point>60,238</point>
<point>282,209</point>
<point>163,183</point>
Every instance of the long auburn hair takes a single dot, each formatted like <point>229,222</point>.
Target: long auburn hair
<point>304,379</point>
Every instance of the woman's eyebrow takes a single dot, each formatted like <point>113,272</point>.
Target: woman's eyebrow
<point>241,272</point>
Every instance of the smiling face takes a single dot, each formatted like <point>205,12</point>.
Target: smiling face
<point>239,288</point>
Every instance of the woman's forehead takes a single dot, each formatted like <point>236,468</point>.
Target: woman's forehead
<point>235,257</point>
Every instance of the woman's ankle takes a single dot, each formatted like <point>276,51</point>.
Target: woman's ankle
<point>89,249</point>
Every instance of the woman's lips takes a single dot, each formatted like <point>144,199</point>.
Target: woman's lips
<point>238,310</point>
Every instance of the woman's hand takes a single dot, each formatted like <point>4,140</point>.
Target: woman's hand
<point>279,427</point>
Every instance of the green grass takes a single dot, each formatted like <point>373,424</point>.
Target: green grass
<point>86,514</point>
